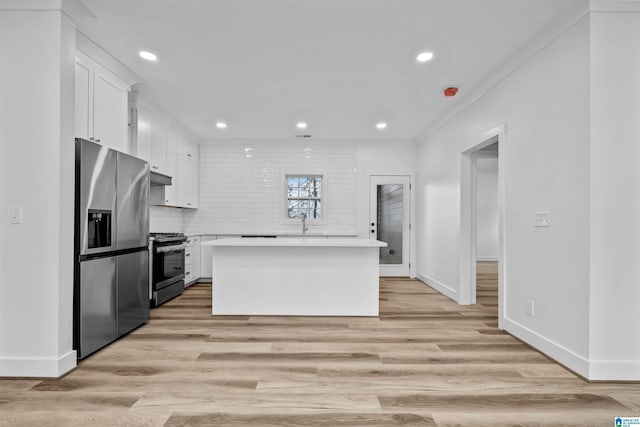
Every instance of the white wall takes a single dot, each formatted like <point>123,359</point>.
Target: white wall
<point>36,173</point>
<point>615,196</point>
<point>241,194</point>
<point>544,105</point>
<point>487,207</point>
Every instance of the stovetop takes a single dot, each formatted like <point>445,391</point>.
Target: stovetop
<point>167,237</point>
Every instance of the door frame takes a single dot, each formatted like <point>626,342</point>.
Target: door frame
<point>468,220</point>
<point>410,215</point>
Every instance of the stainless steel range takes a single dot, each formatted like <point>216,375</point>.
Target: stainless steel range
<point>167,267</point>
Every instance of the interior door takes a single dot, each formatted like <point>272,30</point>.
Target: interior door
<point>389,221</point>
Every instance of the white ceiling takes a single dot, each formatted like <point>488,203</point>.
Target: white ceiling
<point>340,65</point>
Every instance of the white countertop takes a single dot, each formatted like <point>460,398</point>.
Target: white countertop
<point>296,241</point>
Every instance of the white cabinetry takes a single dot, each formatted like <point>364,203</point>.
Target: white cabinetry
<point>187,173</point>
<point>152,140</point>
<point>100,104</point>
<point>192,260</point>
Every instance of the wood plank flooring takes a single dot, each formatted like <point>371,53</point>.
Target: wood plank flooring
<point>425,361</point>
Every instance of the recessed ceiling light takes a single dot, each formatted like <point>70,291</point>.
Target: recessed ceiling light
<point>148,55</point>
<point>381,125</point>
<point>221,125</point>
<point>424,57</point>
<point>301,125</point>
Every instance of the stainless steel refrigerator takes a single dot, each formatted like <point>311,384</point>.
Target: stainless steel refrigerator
<point>111,274</point>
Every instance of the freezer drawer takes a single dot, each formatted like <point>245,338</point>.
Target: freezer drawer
<point>97,293</point>
<point>133,291</point>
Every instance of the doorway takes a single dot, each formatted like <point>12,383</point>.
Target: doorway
<point>389,216</point>
<point>486,166</point>
<point>479,265</point>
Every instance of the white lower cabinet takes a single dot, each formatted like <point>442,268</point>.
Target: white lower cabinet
<point>192,260</point>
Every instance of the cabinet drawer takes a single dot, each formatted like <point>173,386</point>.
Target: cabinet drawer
<point>192,240</point>
<point>188,254</point>
<point>188,275</point>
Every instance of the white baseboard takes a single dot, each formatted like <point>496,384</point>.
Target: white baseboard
<point>614,370</point>
<point>562,355</point>
<point>38,367</point>
<point>487,258</point>
<point>439,286</point>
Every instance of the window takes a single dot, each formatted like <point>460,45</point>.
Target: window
<point>304,196</point>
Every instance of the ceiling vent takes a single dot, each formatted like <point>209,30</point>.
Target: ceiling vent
<point>303,136</point>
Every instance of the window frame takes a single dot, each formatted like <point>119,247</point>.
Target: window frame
<point>322,198</point>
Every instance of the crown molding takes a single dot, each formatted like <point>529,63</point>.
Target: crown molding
<point>543,38</point>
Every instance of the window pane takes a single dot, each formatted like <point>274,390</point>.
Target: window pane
<point>304,190</point>
<point>303,196</point>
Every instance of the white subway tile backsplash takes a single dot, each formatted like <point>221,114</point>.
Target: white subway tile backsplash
<point>243,191</point>
<point>165,220</point>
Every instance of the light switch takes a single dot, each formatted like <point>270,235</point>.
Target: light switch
<point>16,215</point>
<point>542,219</point>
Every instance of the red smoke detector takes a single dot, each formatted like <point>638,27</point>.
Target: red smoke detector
<point>450,91</point>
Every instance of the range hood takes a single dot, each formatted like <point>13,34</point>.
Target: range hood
<point>159,178</point>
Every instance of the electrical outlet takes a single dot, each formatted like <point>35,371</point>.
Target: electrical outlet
<point>16,215</point>
<point>530,311</point>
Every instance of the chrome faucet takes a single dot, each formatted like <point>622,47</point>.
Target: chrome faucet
<point>304,223</point>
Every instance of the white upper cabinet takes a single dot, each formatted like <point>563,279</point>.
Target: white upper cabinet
<point>187,149</point>
<point>152,140</point>
<point>171,191</point>
<point>187,183</point>
<point>187,173</point>
<point>170,153</point>
<point>159,147</point>
<point>144,136</point>
<point>172,142</point>
<point>100,104</point>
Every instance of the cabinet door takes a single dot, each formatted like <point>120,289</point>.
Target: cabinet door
<point>187,149</point>
<point>83,107</point>
<point>172,142</point>
<point>187,183</point>
<point>159,147</point>
<point>145,136</point>
<point>171,191</point>
<point>109,111</point>
<point>196,257</point>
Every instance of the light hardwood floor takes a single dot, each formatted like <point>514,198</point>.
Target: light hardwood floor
<point>425,361</point>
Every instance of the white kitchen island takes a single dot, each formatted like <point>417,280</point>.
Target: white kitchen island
<point>295,276</point>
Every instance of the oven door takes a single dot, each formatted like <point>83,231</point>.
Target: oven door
<point>168,265</point>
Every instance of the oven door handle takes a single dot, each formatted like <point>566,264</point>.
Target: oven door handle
<point>172,248</point>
